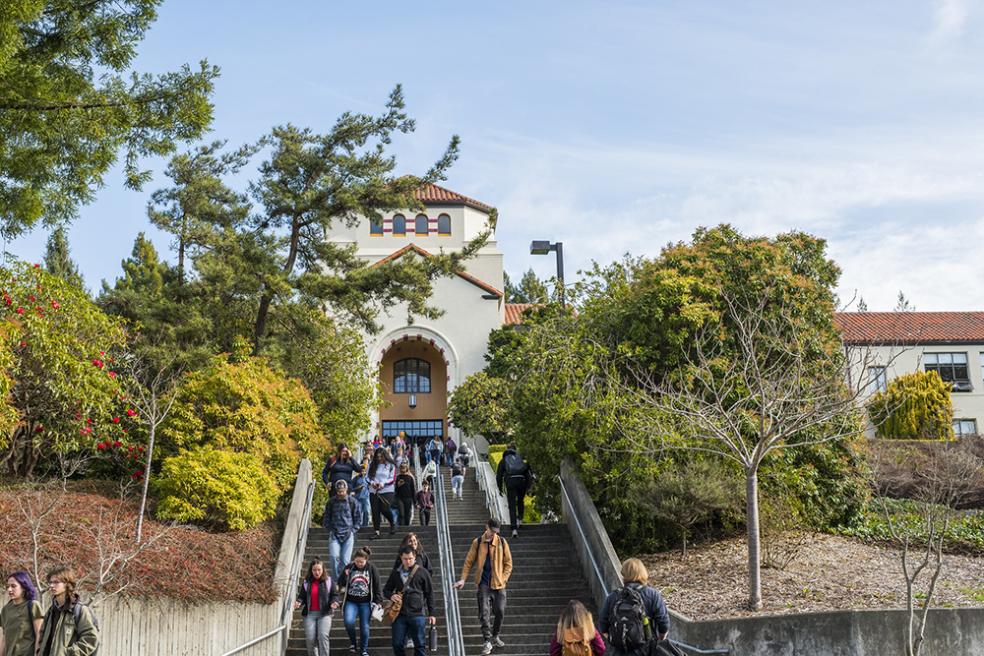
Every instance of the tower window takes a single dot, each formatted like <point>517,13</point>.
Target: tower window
<point>421,225</point>
<point>376,227</point>
<point>444,225</point>
<point>412,376</point>
<point>399,225</point>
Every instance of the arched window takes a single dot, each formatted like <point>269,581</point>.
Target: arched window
<point>376,227</point>
<point>444,225</point>
<point>420,224</point>
<point>412,376</point>
<point>399,225</point>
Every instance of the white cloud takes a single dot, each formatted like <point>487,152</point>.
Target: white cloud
<point>949,19</point>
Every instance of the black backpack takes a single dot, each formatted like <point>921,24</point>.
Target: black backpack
<point>514,465</point>
<point>628,621</point>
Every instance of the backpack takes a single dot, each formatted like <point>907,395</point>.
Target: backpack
<point>77,616</point>
<point>514,465</point>
<point>628,620</point>
<point>575,644</point>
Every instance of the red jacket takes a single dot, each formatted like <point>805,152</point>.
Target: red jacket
<point>597,645</point>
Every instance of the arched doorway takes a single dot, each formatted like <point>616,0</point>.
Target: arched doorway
<point>413,373</point>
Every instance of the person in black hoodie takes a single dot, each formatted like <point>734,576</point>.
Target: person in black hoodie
<point>340,467</point>
<point>406,493</point>
<point>518,478</point>
<point>316,599</point>
<point>361,582</point>
<point>410,585</point>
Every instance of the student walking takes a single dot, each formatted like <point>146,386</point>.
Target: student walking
<point>69,626</point>
<point>20,618</point>
<point>629,614</point>
<point>576,634</point>
<point>411,540</point>
<point>362,589</point>
<point>360,490</point>
<point>450,450</point>
<point>457,478</point>
<point>464,452</point>
<point>518,478</point>
<point>342,520</point>
<point>434,450</point>
<point>316,597</point>
<point>406,492</point>
<point>430,471</point>
<point>340,467</point>
<point>425,503</point>
<point>410,585</point>
<point>382,480</point>
<point>489,554</point>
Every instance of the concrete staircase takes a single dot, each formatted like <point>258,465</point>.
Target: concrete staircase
<point>545,577</point>
<point>384,553</point>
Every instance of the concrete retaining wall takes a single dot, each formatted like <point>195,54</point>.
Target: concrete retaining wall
<point>958,632</point>
<point>140,627</point>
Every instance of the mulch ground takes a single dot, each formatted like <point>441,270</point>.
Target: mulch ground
<point>829,573</point>
<point>94,532</point>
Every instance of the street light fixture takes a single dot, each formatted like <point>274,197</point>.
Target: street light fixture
<point>544,247</point>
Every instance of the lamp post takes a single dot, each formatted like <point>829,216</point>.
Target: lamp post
<point>543,247</point>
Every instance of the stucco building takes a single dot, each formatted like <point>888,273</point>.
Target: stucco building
<point>896,343</point>
<point>420,364</point>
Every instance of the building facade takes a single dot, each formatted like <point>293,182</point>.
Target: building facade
<point>420,364</point>
<point>897,343</point>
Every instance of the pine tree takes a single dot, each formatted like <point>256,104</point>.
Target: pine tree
<point>58,258</point>
<point>902,304</point>
<point>529,290</point>
<point>862,306</point>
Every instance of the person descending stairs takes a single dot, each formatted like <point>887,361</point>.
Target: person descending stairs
<point>545,576</point>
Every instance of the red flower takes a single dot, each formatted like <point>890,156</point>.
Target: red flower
<point>116,420</point>
<point>141,449</point>
<point>32,298</point>
<point>102,353</point>
<point>97,363</point>
<point>117,444</point>
<point>39,428</point>
<point>130,412</point>
<point>37,266</point>
<point>7,299</point>
<point>23,343</point>
<point>85,431</point>
<point>112,374</point>
<point>19,310</point>
<point>101,446</point>
<point>40,310</point>
<point>88,420</point>
<point>55,305</point>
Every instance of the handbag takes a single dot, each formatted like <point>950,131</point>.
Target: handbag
<point>377,612</point>
<point>393,610</point>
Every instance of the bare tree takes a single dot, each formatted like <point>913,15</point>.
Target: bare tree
<point>941,484</point>
<point>152,389</point>
<point>774,383</point>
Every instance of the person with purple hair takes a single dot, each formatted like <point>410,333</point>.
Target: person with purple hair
<point>20,618</point>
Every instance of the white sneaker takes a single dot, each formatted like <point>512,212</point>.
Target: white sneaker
<point>497,641</point>
<point>486,648</point>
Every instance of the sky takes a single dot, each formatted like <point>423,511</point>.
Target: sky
<point>618,127</point>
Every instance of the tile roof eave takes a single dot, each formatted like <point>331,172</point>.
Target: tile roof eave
<point>461,274</point>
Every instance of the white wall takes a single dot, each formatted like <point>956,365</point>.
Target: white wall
<point>901,360</point>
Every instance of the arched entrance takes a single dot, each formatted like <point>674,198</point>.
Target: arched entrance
<point>415,373</point>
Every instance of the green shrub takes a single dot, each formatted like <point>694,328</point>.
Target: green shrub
<point>222,489</point>
<point>913,406</point>
<point>966,532</point>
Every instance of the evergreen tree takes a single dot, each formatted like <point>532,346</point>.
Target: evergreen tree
<point>199,205</point>
<point>902,304</point>
<point>69,102</point>
<point>529,290</point>
<point>58,258</point>
<point>862,306</point>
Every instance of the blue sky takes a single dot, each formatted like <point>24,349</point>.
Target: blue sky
<point>621,126</point>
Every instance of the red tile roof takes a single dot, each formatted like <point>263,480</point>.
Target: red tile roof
<point>911,327</point>
<point>420,251</point>
<point>514,313</point>
<point>432,194</point>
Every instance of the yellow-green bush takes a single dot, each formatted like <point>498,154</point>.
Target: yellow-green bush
<point>222,489</point>
<point>913,406</point>
<point>530,513</point>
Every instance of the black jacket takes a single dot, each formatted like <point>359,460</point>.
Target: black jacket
<point>522,479</point>
<point>326,595</point>
<point>375,595</point>
<point>418,597</point>
<point>406,486</point>
<point>339,470</point>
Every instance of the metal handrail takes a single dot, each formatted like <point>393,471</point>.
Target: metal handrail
<point>288,602</point>
<point>486,482</point>
<point>452,611</point>
<point>604,586</point>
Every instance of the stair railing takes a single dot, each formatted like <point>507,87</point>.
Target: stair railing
<point>300,547</point>
<point>575,513</point>
<point>494,500</point>
<point>452,612</point>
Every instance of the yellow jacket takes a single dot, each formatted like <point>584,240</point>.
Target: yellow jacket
<point>501,561</point>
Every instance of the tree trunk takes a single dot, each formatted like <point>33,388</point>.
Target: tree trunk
<point>146,481</point>
<point>181,249</point>
<point>752,522</point>
<point>259,329</point>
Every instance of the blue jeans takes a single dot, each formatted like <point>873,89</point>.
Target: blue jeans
<point>362,612</point>
<point>366,510</point>
<point>340,554</point>
<point>414,626</point>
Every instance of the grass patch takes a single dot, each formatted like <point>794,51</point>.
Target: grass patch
<point>966,529</point>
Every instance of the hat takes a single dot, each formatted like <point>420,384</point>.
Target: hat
<point>341,485</point>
